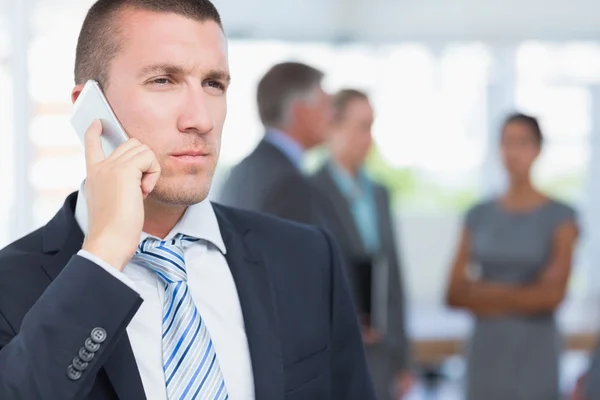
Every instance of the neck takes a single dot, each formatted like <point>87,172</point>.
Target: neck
<point>297,135</point>
<point>345,164</point>
<point>159,218</point>
<point>521,190</point>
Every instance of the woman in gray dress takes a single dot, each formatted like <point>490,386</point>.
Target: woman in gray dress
<point>511,271</point>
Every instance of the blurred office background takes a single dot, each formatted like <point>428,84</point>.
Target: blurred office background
<point>441,75</point>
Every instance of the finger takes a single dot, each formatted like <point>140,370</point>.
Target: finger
<point>149,181</point>
<point>151,175</point>
<point>124,148</point>
<point>144,160</point>
<point>130,151</point>
<point>93,146</point>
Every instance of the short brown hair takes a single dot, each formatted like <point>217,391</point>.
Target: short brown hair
<point>282,84</point>
<point>99,40</point>
<point>342,98</point>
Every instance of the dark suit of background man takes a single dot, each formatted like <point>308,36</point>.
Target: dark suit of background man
<point>141,288</point>
<point>363,226</point>
<point>295,112</point>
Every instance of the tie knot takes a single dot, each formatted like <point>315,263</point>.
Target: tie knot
<point>165,257</point>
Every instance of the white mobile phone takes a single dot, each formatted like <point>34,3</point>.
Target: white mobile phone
<point>92,105</point>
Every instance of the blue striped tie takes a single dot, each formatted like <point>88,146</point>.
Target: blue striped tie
<point>189,361</point>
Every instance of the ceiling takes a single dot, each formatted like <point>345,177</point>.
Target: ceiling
<point>432,20</point>
<point>387,20</point>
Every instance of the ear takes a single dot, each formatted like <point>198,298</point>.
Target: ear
<point>76,92</point>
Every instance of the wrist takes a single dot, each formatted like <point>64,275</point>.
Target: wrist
<point>108,251</point>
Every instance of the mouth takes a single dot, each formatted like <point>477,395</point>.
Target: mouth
<point>191,153</point>
<point>196,158</point>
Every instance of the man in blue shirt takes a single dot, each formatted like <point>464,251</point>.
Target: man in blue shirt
<point>363,226</point>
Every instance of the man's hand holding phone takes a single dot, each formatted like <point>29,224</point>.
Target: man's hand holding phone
<point>115,188</point>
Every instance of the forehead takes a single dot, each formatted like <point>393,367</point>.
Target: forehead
<point>517,130</point>
<point>157,37</point>
<point>358,107</point>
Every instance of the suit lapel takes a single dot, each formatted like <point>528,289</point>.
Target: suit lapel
<point>257,300</point>
<point>342,209</point>
<point>62,239</point>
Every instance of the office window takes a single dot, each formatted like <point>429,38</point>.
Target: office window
<point>552,81</point>
<point>432,129</point>
<point>58,165</point>
<point>6,129</point>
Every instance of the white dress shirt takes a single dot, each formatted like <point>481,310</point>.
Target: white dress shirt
<point>213,290</point>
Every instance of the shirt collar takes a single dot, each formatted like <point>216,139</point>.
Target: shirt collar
<point>288,146</point>
<point>199,221</point>
<point>350,186</point>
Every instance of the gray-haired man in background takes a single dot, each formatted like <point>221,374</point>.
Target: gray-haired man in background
<point>295,112</point>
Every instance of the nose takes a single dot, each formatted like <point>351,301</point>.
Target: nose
<point>195,112</point>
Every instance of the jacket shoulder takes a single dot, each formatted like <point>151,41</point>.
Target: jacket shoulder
<point>22,278</point>
<point>268,225</point>
<point>21,252</point>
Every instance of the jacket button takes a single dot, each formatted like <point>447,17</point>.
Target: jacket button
<point>79,364</point>
<point>73,374</point>
<point>98,335</point>
<point>85,355</point>
<point>91,346</point>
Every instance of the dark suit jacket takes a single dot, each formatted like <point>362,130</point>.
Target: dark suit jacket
<point>267,181</point>
<point>302,332</point>
<point>342,226</point>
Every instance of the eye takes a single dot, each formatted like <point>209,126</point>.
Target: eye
<point>216,85</point>
<point>160,81</point>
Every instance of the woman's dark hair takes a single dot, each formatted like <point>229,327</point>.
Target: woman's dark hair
<point>530,122</point>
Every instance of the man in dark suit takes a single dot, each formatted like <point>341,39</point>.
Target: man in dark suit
<point>141,288</point>
<point>295,112</point>
<point>362,224</point>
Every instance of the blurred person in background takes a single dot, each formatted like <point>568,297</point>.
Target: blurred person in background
<point>361,221</point>
<point>521,244</point>
<point>295,112</point>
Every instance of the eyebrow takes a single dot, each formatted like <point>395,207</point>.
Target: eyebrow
<point>172,69</point>
<point>219,75</point>
<point>167,69</point>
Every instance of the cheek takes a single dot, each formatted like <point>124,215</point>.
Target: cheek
<point>368,141</point>
<point>153,108</point>
<point>145,115</point>
<point>218,110</point>
<point>521,158</point>
<point>530,158</point>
